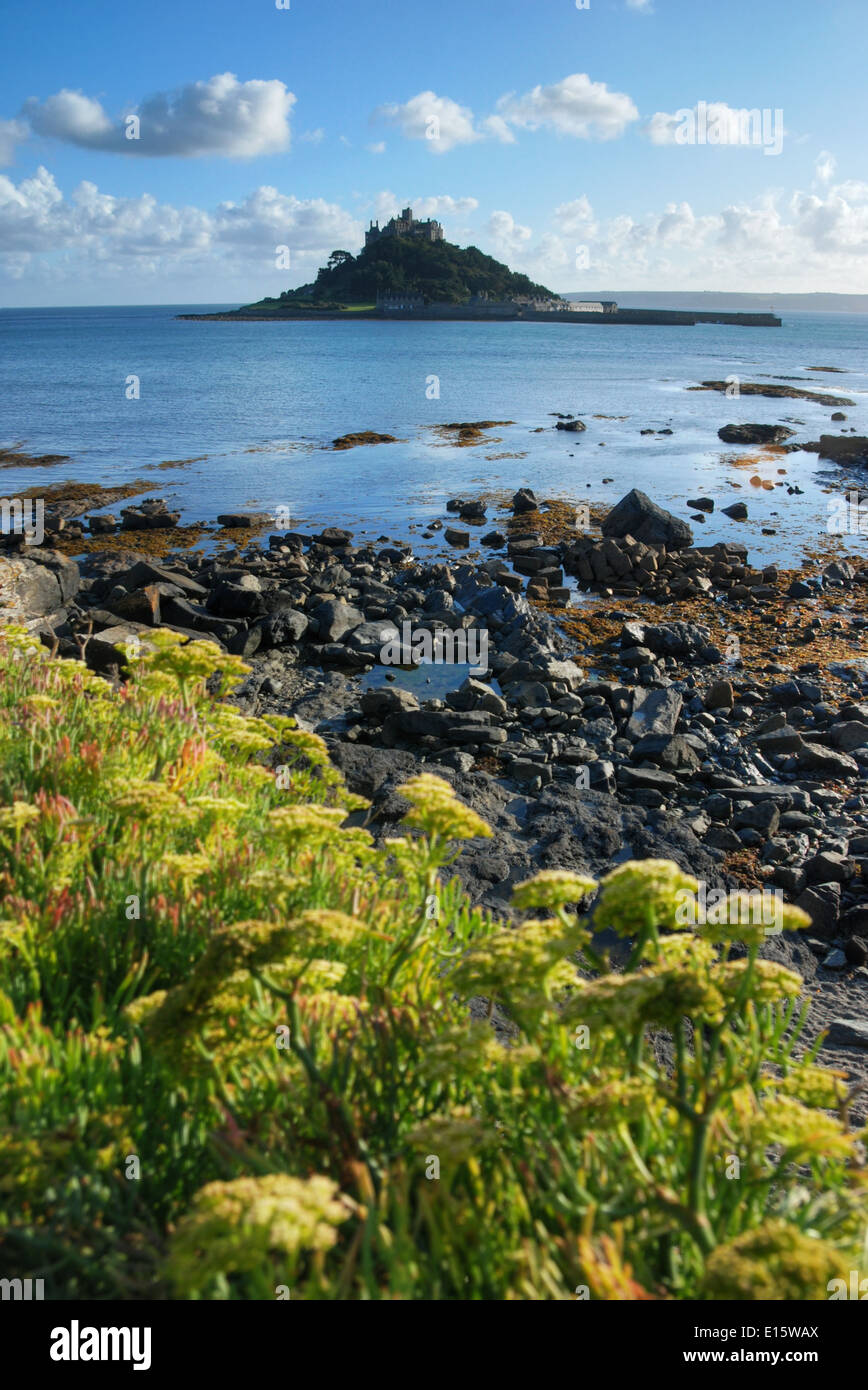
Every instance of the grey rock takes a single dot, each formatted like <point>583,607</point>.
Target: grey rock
<point>754,434</point>
<point>654,712</point>
<point>847,1032</point>
<point>637,516</point>
<point>335,618</point>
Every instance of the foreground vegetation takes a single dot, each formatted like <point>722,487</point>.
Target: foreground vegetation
<point>236,1059</point>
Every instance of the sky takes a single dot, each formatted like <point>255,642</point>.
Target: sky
<point>213,151</point>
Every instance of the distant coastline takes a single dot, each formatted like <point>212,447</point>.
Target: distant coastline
<point>681,318</point>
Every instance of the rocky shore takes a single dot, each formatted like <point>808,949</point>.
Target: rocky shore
<point>688,707</point>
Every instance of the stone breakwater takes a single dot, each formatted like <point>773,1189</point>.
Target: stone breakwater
<point>752,777</point>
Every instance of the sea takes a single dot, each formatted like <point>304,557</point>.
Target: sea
<point>227,416</point>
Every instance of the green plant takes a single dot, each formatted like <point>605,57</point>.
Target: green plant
<point>236,1054</point>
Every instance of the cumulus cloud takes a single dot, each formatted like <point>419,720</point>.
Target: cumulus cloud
<point>222,116</point>
<point>716,123</point>
<point>575,106</point>
<point>803,240</point>
<point>825,166</point>
<point>441,122</point>
<point>141,237</point>
<point>509,237</point>
<point>798,243</point>
<point>498,128</point>
<point>11,134</point>
<point>444,205</point>
<point>575,217</point>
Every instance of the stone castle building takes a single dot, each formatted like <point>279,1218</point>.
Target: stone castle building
<point>405,225</point>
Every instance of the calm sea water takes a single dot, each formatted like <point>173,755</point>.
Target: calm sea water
<point>256,405</point>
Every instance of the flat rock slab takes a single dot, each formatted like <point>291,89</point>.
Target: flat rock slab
<point>654,712</point>
<point>847,1032</point>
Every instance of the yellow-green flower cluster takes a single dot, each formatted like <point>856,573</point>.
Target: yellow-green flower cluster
<point>605,1105</point>
<point>150,801</point>
<point>16,816</point>
<point>643,892</point>
<point>239,1226</point>
<point>515,962</point>
<point>454,1137</point>
<point>623,1002</point>
<point>552,888</point>
<point>319,928</point>
<point>461,1052</point>
<point>769,982</point>
<point>306,823</point>
<point>776,1261</point>
<point>801,1130</point>
<point>186,868</point>
<point>437,812</point>
<point>822,1087</point>
<point>193,660</point>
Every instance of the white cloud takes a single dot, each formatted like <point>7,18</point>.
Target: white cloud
<point>643,5</point>
<point>378,148</point>
<point>509,237</point>
<point>11,134</point>
<point>575,218</point>
<point>443,205</point>
<point>91,245</point>
<point>439,121</point>
<point>313,137</point>
<point>497,127</point>
<point>222,116</point>
<point>715,123</point>
<point>575,106</point>
<point>825,166</point>
<point>139,238</point>
<point>801,243</point>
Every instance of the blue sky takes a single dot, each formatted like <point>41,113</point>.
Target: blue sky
<point>562,142</point>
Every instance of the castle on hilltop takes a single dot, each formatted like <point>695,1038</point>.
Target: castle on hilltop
<point>405,225</point>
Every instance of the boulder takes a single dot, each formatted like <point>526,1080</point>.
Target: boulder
<point>145,572</point>
<point>334,618</point>
<point>852,448</point>
<point>754,434</point>
<point>36,583</point>
<point>654,712</point>
<point>386,700</point>
<point>524,501</point>
<point>636,515</point>
<point>847,1032</point>
<point>334,537</point>
<point>284,627</point>
<point>243,521</point>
